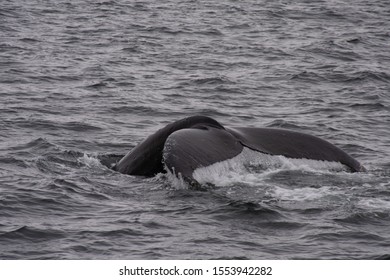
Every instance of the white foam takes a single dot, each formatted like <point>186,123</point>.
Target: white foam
<point>302,194</point>
<point>89,161</point>
<point>251,167</point>
<point>374,204</point>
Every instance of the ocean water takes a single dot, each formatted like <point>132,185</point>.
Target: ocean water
<point>82,82</point>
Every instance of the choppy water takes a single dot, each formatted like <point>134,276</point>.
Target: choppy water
<point>82,82</point>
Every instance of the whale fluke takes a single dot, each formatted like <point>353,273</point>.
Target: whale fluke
<point>200,141</point>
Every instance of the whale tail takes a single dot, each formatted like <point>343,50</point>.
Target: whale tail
<point>199,141</point>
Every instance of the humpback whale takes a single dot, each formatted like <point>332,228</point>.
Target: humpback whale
<point>200,141</point>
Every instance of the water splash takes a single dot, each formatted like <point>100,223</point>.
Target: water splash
<point>89,161</point>
<point>251,167</point>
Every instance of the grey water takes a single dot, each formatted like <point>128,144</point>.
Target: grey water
<point>82,82</point>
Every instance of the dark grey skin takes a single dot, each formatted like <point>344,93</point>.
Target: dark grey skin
<point>200,141</point>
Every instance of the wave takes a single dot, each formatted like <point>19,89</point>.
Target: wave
<point>32,233</point>
<point>56,125</point>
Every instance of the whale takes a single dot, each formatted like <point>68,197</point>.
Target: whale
<point>190,143</point>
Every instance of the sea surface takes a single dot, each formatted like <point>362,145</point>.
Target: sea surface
<point>82,82</point>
